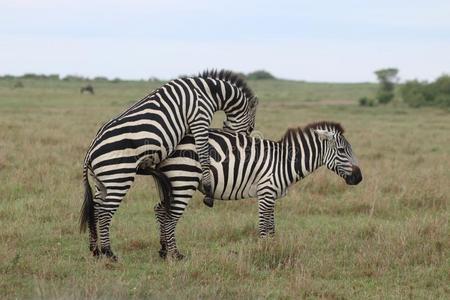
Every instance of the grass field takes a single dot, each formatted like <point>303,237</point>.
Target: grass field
<point>385,238</point>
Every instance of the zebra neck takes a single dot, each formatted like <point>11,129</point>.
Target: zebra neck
<point>303,154</point>
<point>230,96</point>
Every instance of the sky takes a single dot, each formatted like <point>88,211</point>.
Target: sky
<point>333,41</point>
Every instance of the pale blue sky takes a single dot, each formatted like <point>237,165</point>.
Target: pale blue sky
<point>343,41</point>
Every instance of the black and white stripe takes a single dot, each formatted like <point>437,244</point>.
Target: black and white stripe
<point>248,167</point>
<point>149,131</point>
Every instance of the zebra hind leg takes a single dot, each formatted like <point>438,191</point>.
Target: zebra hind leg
<point>161,214</point>
<point>171,245</point>
<point>93,234</point>
<point>104,221</point>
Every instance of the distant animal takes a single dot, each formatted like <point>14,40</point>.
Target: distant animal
<point>88,89</point>
<point>246,167</point>
<point>149,131</point>
<point>18,85</point>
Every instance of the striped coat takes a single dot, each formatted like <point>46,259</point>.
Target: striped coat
<point>247,167</point>
<point>149,131</point>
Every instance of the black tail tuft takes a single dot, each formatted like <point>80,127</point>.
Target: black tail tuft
<point>164,187</point>
<point>87,210</point>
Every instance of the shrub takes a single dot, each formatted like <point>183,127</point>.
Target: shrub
<point>416,93</point>
<point>365,101</point>
<point>74,78</point>
<point>384,97</point>
<point>413,93</point>
<point>100,78</point>
<point>8,77</point>
<point>260,74</point>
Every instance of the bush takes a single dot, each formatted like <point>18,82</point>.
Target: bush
<point>384,97</point>
<point>100,78</point>
<point>365,101</point>
<point>416,93</point>
<point>8,77</point>
<point>260,74</point>
<point>74,78</point>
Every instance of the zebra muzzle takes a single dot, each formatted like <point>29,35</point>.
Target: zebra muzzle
<point>355,177</point>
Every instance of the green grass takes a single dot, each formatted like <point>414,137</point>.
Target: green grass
<point>385,238</point>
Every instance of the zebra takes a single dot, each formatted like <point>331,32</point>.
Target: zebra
<point>145,134</point>
<point>248,167</point>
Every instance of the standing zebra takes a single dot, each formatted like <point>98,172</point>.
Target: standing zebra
<point>246,167</point>
<point>149,131</point>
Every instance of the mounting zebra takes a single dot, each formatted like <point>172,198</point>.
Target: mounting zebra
<point>149,131</point>
<point>246,167</point>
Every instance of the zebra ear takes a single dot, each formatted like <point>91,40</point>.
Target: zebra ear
<point>323,134</point>
<point>253,103</point>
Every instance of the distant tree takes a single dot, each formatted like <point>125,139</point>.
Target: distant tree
<point>8,77</point>
<point>260,74</point>
<point>30,76</point>
<point>53,76</point>
<point>387,79</point>
<point>153,79</point>
<point>74,78</point>
<point>100,78</point>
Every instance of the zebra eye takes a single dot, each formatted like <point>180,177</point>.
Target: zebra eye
<point>341,150</point>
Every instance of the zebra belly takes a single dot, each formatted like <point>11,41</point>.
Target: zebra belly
<point>146,146</point>
<point>226,187</point>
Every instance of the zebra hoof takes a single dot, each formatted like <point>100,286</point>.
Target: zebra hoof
<point>162,253</point>
<point>110,255</point>
<point>175,255</point>
<point>208,201</point>
<point>96,253</point>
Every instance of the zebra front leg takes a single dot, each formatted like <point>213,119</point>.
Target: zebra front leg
<point>161,215</point>
<point>266,207</point>
<point>201,135</point>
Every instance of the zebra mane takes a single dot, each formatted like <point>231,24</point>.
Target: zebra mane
<point>231,77</point>
<point>330,126</point>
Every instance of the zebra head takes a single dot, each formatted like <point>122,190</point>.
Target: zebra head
<point>242,120</point>
<point>338,155</point>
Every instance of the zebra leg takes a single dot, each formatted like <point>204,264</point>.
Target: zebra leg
<point>266,207</point>
<point>105,212</point>
<point>161,215</point>
<point>104,220</point>
<point>169,228</point>
<point>182,193</point>
<point>93,234</point>
<point>200,131</point>
<point>271,229</point>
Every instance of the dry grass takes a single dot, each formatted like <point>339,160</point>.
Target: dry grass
<point>386,238</point>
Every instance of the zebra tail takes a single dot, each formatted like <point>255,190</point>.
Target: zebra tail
<point>164,188</point>
<point>87,217</point>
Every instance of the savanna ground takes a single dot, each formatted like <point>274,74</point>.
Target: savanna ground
<point>385,238</point>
